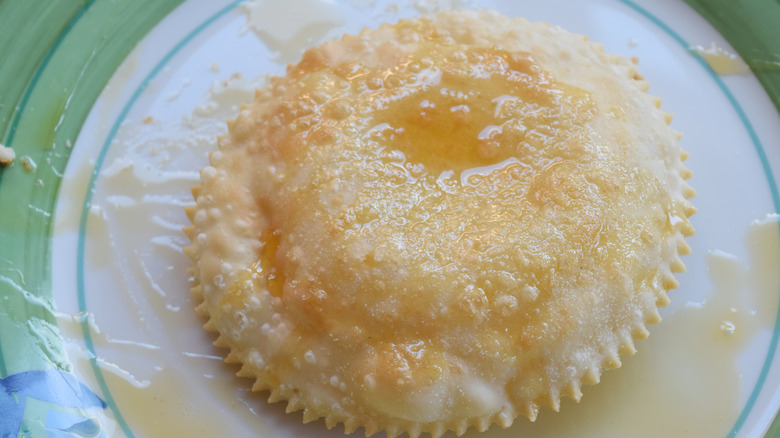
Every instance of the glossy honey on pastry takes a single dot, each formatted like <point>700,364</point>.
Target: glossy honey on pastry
<point>442,223</point>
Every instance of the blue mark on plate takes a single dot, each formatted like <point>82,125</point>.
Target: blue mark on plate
<point>66,425</point>
<point>55,387</point>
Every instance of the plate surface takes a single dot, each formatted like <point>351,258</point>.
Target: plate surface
<point>97,332</point>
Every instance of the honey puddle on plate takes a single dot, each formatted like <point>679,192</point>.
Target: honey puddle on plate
<point>721,61</point>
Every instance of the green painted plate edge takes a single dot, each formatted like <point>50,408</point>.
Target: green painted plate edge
<point>59,55</point>
<point>55,65</point>
<point>752,27</point>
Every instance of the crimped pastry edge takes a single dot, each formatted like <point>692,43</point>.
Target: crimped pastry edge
<point>610,355</point>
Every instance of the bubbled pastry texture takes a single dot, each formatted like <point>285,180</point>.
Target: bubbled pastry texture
<point>445,222</point>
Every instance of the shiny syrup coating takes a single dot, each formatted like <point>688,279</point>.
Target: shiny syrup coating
<point>446,178</point>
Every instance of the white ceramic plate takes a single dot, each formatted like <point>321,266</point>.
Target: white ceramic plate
<point>120,280</point>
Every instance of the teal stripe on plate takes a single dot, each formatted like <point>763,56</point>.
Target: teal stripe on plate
<point>82,301</point>
<point>770,179</point>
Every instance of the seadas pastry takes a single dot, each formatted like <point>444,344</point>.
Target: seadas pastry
<point>441,223</point>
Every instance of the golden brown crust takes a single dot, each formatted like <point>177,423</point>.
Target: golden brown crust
<point>442,223</point>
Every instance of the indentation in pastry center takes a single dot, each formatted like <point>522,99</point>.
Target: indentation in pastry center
<point>451,110</point>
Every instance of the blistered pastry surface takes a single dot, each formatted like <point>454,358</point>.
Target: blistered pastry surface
<point>444,222</point>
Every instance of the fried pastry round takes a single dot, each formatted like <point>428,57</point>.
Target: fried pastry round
<point>441,223</point>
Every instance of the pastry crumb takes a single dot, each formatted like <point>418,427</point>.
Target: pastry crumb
<point>28,164</point>
<point>7,155</point>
